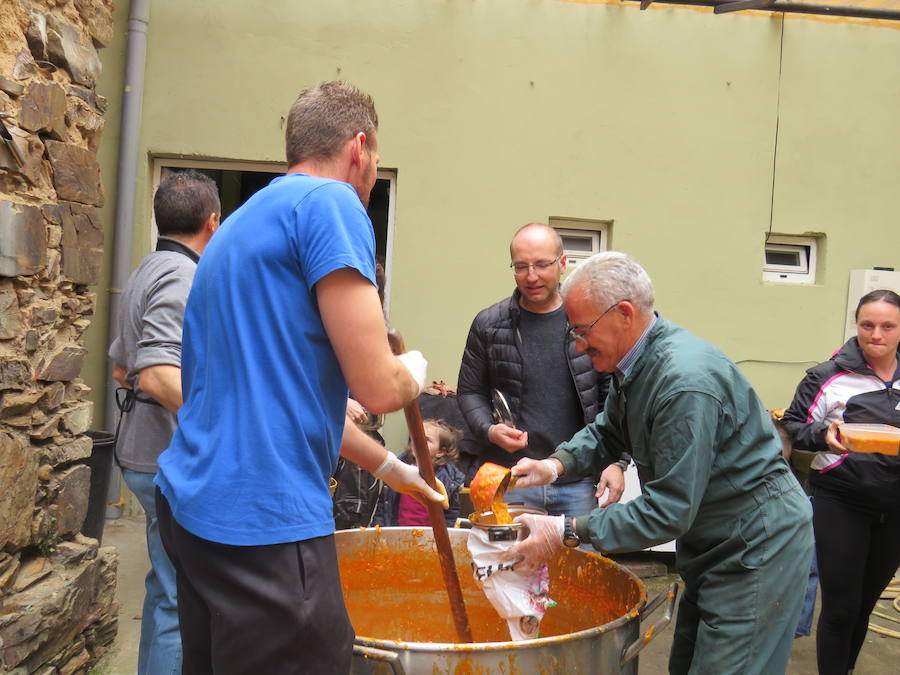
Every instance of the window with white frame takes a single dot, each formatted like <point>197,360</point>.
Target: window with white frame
<point>790,260</point>
<point>581,238</point>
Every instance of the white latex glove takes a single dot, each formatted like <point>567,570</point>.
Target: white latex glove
<point>417,366</point>
<point>405,478</point>
<point>545,538</point>
<point>530,472</point>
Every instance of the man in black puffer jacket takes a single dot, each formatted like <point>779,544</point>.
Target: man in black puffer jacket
<point>520,347</point>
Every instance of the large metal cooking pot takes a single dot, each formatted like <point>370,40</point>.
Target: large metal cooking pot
<point>398,605</point>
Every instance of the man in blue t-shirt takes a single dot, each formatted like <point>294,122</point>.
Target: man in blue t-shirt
<point>283,318</point>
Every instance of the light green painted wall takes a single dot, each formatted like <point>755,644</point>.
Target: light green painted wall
<point>499,113</point>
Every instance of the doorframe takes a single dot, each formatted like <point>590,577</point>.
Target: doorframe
<point>276,168</point>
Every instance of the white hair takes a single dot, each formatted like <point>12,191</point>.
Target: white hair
<point>612,276</point>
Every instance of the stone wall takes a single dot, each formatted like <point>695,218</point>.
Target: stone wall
<point>57,587</point>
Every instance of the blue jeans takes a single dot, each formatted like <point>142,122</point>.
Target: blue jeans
<point>160,648</point>
<point>804,626</point>
<point>570,499</point>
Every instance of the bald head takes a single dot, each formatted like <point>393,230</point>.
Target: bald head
<point>535,233</point>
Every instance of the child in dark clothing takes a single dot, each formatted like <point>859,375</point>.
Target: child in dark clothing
<point>443,446</point>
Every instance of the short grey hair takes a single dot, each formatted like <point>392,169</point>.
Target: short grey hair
<point>612,276</point>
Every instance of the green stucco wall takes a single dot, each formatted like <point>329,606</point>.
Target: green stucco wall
<point>497,113</point>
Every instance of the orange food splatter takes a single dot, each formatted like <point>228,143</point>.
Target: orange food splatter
<point>486,491</point>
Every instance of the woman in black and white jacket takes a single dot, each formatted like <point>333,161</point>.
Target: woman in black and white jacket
<point>856,497</point>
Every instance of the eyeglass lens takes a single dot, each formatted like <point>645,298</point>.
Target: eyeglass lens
<point>539,266</point>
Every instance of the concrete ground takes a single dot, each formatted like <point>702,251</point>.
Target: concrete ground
<point>880,655</point>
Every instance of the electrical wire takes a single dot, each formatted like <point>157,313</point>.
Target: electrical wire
<point>893,589</point>
<point>777,122</point>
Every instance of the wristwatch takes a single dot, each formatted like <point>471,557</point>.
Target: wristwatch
<point>570,537</point>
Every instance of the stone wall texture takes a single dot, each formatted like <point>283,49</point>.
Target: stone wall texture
<point>57,587</point>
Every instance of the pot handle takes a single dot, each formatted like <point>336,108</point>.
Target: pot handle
<point>670,594</point>
<point>392,658</point>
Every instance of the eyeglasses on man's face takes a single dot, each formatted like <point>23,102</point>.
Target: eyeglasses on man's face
<point>521,269</point>
<point>579,333</point>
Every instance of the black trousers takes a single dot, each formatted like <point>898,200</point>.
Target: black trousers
<point>858,553</point>
<point>248,610</point>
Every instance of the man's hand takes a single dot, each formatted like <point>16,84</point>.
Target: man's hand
<point>531,472</point>
<point>612,479</point>
<point>507,437</point>
<point>120,375</point>
<point>405,478</point>
<point>356,413</point>
<point>831,438</point>
<point>545,538</point>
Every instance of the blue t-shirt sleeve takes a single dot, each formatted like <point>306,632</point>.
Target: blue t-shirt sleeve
<point>334,231</point>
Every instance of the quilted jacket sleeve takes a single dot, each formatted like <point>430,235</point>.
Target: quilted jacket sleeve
<point>473,386</point>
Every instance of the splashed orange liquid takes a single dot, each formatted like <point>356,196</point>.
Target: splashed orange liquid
<point>487,490</point>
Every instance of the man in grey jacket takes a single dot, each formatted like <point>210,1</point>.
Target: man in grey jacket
<point>520,347</point>
<point>147,355</point>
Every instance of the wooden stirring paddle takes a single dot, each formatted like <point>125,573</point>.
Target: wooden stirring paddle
<point>435,511</point>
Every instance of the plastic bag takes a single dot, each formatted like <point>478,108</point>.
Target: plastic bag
<point>519,597</point>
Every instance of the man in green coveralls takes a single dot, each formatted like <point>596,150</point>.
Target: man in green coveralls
<point>711,471</point>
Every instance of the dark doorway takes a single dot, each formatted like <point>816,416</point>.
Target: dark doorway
<point>236,187</point>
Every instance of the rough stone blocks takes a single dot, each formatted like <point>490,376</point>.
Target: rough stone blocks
<point>23,239</point>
